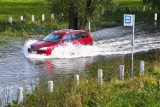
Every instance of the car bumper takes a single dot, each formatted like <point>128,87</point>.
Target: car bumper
<point>33,51</point>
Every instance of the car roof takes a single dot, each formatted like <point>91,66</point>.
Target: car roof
<point>65,31</point>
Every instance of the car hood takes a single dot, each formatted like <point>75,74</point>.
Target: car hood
<point>41,44</point>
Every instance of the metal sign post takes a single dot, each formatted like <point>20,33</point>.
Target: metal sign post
<point>129,20</point>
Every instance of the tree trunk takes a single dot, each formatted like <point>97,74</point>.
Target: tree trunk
<point>89,9</point>
<point>83,23</point>
<point>73,16</point>
<point>73,21</point>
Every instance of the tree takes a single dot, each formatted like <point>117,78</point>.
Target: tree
<point>79,11</point>
<point>155,4</point>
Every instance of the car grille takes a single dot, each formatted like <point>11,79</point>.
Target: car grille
<point>34,48</point>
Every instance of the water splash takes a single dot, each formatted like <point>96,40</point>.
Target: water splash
<point>107,47</point>
<point>29,55</point>
<point>26,46</point>
<point>67,51</point>
<point>75,51</point>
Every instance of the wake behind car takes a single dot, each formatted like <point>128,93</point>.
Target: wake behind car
<point>59,38</point>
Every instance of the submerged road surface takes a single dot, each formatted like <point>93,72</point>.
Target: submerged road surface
<point>18,68</point>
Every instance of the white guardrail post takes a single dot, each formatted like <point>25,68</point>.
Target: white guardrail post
<point>32,18</point>
<point>20,95</point>
<point>100,76</point>
<point>21,18</point>
<point>43,17</point>
<point>121,72</point>
<point>50,86</point>
<point>76,78</point>
<point>141,67</point>
<point>10,20</point>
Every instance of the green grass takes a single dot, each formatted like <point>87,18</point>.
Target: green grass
<point>130,2</point>
<point>27,8</point>
<point>22,0</point>
<point>16,9</point>
<point>113,16</point>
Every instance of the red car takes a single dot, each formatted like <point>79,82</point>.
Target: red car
<point>59,38</point>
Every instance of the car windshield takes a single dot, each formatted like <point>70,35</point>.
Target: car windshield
<point>52,38</point>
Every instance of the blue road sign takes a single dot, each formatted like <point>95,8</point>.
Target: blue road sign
<point>129,20</point>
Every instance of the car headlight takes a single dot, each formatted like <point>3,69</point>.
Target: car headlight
<point>44,48</point>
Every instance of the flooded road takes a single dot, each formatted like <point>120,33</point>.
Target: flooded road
<point>18,68</point>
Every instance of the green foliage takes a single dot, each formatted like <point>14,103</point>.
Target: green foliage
<point>90,94</point>
<point>155,4</point>
<point>103,15</point>
<point>27,27</point>
<point>26,8</point>
<point>79,10</point>
<point>82,6</point>
<point>22,0</point>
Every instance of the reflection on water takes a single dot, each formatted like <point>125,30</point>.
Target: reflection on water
<point>49,67</point>
<point>64,66</point>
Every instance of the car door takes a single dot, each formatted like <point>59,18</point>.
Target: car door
<point>76,39</point>
<point>67,38</point>
<point>85,38</point>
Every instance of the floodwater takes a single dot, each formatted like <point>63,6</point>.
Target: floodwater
<point>20,69</point>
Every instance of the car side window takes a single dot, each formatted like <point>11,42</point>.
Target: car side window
<point>84,35</point>
<point>75,36</point>
<point>67,37</point>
